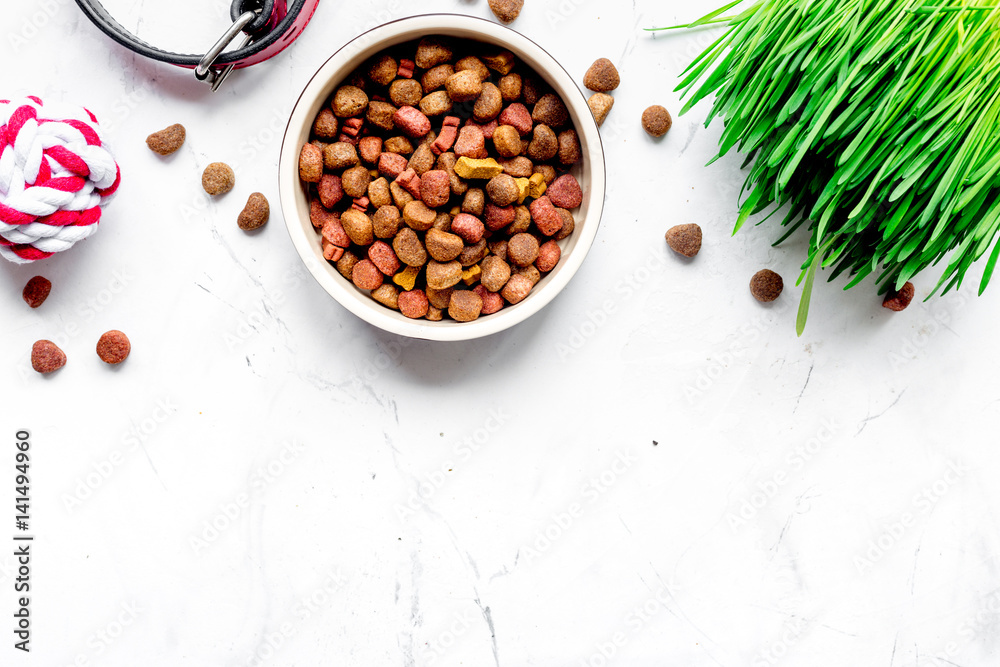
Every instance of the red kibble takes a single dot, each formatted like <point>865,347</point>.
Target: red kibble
<point>36,291</point>
<point>319,215</point>
<point>409,181</point>
<point>366,275</point>
<point>113,347</point>
<point>898,301</point>
<point>361,204</point>
<point>546,217</point>
<point>446,138</point>
<point>413,304</point>
<point>548,256</point>
<point>516,289</point>
<point>471,143</point>
<point>565,192</point>
<point>382,256</point>
<point>330,190</point>
<point>469,227</point>
<point>391,164</point>
<point>498,217</point>
<point>492,301</point>
<point>406,68</point>
<point>334,233</point>
<point>370,148</point>
<point>331,252</point>
<point>518,116</point>
<point>435,188</point>
<point>412,122</point>
<point>46,357</point>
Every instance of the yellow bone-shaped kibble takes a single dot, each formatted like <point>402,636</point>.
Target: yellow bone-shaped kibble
<point>523,189</point>
<point>471,275</point>
<point>407,278</point>
<point>537,186</point>
<point>477,169</point>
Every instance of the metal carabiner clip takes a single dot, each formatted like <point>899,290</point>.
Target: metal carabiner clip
<point>204,70</point>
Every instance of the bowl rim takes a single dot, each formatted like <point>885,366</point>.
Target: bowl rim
<point>326,275</point>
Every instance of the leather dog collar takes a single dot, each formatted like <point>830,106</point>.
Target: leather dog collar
<point>269,27</point>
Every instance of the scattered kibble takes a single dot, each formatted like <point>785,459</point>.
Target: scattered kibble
<point>766,285</point>
<point>602,77</point>
<point>506,10</point>
<point>46,357</point>
<point>168,140</point>
<point>600,105</point>
<point>218,178</point>
<point>113,347</point>
<point>656,120</point>
<point>36,291</point>
<point>255,214</point>
<point>898,301</point>
<point>685,239</point>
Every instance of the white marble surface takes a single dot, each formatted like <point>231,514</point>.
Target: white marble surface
<point>653,469</point>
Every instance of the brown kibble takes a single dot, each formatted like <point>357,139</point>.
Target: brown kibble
<point>36,291</point>
<point>387,295</point>
<point>489,105</point>
<point>547,171</point>
<point>531,90</point>
<point>358,227</point>
<point>383,70</point>
<point>406,92</point>
<point>355,181</point>
<point>474,201</point>
<point>544,143</point>
<point>516,289</point>
<point>518,167</point>
<point>113,347</point>
<point>349,102</point>
<point>218,178</point>
<point>600,105</point>
<point>766,285</point>
<point>326,125</point>
<point>46,357</point>
<point>569,224</point>
<point>656,120</point>
<point>418,216</point>
<point>473,254</point>
<point>413,304</point>
<point>522,221</point>
<point>475,64</point>
<point>436,77</point>
<point>522,249</point>
<point>530,272</point>
<point>398,146</point>
<point>310,164</point>
<point>507,141</point>
<point>510,87</point>
<point>506,10</point>
<point>464,86</point>
<point>381,115</point>
<point>551,111</point>
<point>168,140</point>
<point>685,239</point>
<point>465,306</point>
<point>434,314</point>
<point>385,222</point>
<point>443,246</point>
<point>898,301</point>
<point>432,51</point>
<point>340,155</point>
<point>502,62</point>
<point>440,298</point>
<point>569,148</point>
<point>442,275</point>
<point>437,103</point>
<point>378,192</point>
<point>602,76</point>
<point>496,273</point>
<point>409,248</point>
<point>422,160</point>
<point>345,265</point>
<point>502,190</point>
<point>366,275</point>
<point>255,214</point>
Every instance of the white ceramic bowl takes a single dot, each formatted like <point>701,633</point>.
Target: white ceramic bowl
<point>294,195</point>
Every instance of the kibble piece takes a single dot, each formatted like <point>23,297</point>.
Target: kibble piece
<point>531,90</point>
<point>310,163</point>
<point>36,291</point>
<point>551,111</point>
<point>474,201</point>
<point>387,295</point>
<point>502,62</point>
<point>516,289</point>
<point>471,143</point>
<point>443,246</point>
<point>547,171</point>
<point>510,87</point>
<point>409,248</point>
<point>46,357</point>
<point>492,302</point>
<point>489,104</point>
<point>412,122</point>
<point>385,222</point>
<point>544,143</point>
<point>495,273</point>
<point>326,126</point>
<point>439,298</point>
<point>432,51</point>
<point>470,275</point>
<point>340,155</point>
<point>369,149</point>
<point>333,232</point>
<point>383,257</point>
<point>465,306</point>
<point>536,185</point>
<point>545,216</point>
<point>168,140</point>
<point>656,120</point>
<point>366,275</point>
<point>381,114</point>
<point>378,193</point>
<point>600,105</point>
<point>442,222</point>
<point>383,70</point>
<point>602,76</point>
<point>522,221</point>
<point>442,275</point>
<point>522,249</point>
<point>358,227</point>
<point>506,10</point>
<point>255,214</point>
<point>422,160</point>
<point>530,272</point>
<point>565,192</point>
<point>434,314</point>
<point>569,148</point>
<point>330,190</point>
<point>898,301</point>
<point>569,224</point>
<point>355,181</point>
<point>437,103</point>
<point>349,101</point>
<point>502,190</point>
<point>406,92</point>
<point>517,116</point>
<point>766,285</point>
<point>548,256</point>
<point>113,347</point>
<point>435,188</point>
<point>685,239</point>
<point>413,304</point>
<point>464,86</point>
<point>400,197</point>
<point>473,254</point>
<point>345,265</point>
<point>497,217</point>
<point>518,166</point>
<point>418,216</point>
<point>468,227</point>
<point>507,141</point>
<point>218,178</point>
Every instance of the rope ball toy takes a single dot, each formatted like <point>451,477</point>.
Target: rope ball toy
<point>55,175</point>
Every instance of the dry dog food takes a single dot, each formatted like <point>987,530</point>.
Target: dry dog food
<point>685,239</point>
<point>36,291</point>
<point>602,77</point>
<point>168,140</point>
<point>600,105</point>
<point>218,178</point>
<point>766,285</point>
<point>255,213</point>
<point>898,301</point>
<point>440,177</point>
<point>46,357</point>
<point>656,120</point>
<point>113,347</point>
<point>506,10</point>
